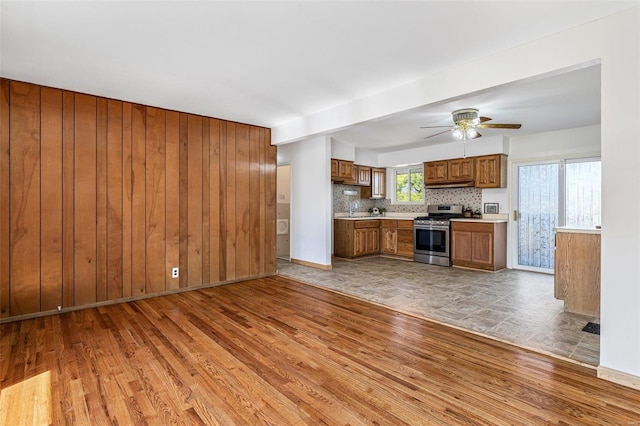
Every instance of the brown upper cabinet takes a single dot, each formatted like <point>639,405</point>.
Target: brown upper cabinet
<point>487,171</point>
<point>378,185</point>
<point>435,172</point>
<point>344,171</point>
<point>364,175</point>
<point>491,171</point>
<point>460,169</point>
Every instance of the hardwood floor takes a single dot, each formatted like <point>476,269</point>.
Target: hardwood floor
<point>276,351</point>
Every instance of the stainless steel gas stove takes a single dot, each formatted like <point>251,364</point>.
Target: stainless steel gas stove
<point>431,234</point>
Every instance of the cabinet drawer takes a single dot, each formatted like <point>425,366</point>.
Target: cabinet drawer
<point>388,223</point>
<point>366,224</point>
<point>405,224</point>
<point>472,227</point>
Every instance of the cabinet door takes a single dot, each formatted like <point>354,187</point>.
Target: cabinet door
<point>435,172</point>
<point>373,241</point>
<point>378,183</point>
<point>491,171</point>
<point>460,169</point>
<point>364,176</point>
<point>482,248</point>
<point>461,243</point>
<point>360,242</point>
<point>334,169</point>
<point>389,241</point>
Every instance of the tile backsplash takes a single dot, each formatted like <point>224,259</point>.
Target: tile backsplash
<point>468,197</point>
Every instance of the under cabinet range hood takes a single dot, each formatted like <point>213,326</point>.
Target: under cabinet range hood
<point>451,184</point>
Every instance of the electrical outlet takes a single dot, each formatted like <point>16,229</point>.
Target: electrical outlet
<point>175,272</point>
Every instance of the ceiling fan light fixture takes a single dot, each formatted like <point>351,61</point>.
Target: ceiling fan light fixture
<point>472,133</point>
<point>458,133</point>
<point>466,115</point>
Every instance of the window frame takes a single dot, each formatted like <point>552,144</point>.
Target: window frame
<point>414,168</point>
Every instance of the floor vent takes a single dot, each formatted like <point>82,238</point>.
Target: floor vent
<point>592,328</point>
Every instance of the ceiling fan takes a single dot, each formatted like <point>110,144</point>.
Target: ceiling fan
<point>466,124</point>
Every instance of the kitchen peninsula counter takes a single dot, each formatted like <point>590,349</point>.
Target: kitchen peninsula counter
<point>577,269</point>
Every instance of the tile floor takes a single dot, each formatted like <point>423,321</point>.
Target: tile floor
<point>510,305</point>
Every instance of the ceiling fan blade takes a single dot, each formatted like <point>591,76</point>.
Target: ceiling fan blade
<point>432,127</point>
<point>477,135</point>
<point>499,126</point>
<point>440,133</point>
<point>483,119</point>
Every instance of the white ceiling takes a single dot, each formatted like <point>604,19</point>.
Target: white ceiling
<point>269,63</point>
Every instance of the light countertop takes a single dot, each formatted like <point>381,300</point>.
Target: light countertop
<point>470,219</point>
<point>577,229</point>
<point>387,216</point>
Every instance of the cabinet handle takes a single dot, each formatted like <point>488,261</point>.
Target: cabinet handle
<point>515,215</point>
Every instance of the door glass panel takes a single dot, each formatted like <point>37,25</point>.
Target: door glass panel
<point>538,207</point>
<point>582,193</point>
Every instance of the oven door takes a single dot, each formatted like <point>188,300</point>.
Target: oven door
<point>431,244</point>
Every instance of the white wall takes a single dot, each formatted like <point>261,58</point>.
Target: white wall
<point>572,143</point>
<point>444,151</point>
<point>283,185</point>
<point>311,217</point>
<point>615,42</point>
<point>342,151</point>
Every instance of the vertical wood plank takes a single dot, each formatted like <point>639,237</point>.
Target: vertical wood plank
<point>68,199</point>
<point>263,201</point>
<point>155,200</point>
<point>101,200</point>
<point>172,199</point>
<point>206,207</point>
<point>195,201</point>
<point>214,200</point>
<point>51,198</point>
<point>114,199</point>
<point>4,198</point>
<point>127,198</point>
<point>222,176</point>
<point>85,199</point>
<point>243,247</point>
<point>138,213</point>
<point>231,201</point>
<point>184,196</point>
<point>24,201</point>
<point>255,243</point>
<point>270,224</point>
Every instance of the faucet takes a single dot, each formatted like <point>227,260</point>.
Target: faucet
<point>353,205</point>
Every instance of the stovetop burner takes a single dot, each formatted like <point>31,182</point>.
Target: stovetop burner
<point>442,212</point>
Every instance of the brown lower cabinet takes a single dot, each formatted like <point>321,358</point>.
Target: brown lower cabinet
<point>354,238</point>
<point>479,245</point>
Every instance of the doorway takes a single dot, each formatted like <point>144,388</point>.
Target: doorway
<point>283,212</point>
<point>547,195</point>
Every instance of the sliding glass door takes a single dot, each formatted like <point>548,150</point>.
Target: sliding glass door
<point>551,194</point>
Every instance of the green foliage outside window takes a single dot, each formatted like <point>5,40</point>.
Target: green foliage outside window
<point>409,186</point>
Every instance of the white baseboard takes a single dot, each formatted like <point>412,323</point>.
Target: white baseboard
<point>619,377</point>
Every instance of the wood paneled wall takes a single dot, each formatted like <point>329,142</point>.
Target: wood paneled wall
<point>101,198</point>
